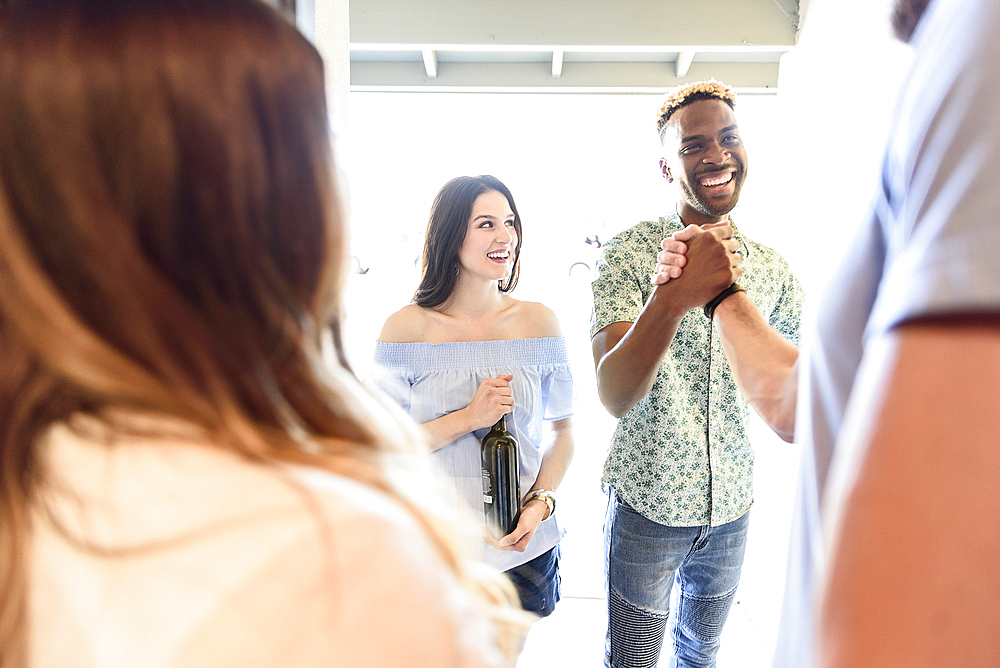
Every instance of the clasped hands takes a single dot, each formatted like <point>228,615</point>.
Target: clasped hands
<point>706,257</point>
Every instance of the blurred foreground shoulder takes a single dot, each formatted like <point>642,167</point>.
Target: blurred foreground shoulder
<point>397,602</point>
<point>253,566</point>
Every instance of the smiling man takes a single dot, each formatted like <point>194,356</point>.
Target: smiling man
<point>680,468</point>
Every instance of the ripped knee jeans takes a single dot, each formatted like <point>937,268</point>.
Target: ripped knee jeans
<point>643,560</point>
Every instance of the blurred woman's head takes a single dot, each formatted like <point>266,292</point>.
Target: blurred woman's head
<point>172,242</point>
<point>171,239</point>
<point>447,229</point>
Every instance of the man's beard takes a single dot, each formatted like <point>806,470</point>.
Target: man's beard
<point>706,205</point>
<point>905,17</point>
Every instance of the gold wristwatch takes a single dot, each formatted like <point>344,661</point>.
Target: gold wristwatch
<point>545,495</point>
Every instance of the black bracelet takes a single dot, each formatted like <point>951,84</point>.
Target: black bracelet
<point>712,305</point>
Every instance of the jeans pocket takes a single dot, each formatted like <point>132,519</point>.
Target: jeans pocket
<point>622,506</point>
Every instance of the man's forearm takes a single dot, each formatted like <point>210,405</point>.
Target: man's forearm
<point>626,371</point>
<point>628,355</point>
<point>764,365</point>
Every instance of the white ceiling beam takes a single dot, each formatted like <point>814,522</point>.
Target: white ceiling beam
<point>430,63</point>
<point>683,64</point>
<point>557,63</point>
<point>584,22</point>
<point>568,47</point>
<point>582,77</point>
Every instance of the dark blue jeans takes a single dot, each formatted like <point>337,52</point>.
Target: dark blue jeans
<point>644,558</point>
<point>538,583</point>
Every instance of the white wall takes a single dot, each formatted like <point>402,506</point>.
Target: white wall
<point>837,92</point>
<point>327,23</point>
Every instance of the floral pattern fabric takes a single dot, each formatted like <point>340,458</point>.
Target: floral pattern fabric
<point>681,456</point>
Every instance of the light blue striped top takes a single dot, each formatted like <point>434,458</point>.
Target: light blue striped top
<point>430,380</point>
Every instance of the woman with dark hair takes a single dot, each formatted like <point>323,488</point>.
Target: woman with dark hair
<point>465,353</point>
<point>189,475</point>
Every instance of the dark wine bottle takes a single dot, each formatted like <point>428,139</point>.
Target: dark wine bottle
<point>501,483</point>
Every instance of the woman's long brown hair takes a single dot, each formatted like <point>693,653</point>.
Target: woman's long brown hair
<point>446,230</point>
<point>171,241</point>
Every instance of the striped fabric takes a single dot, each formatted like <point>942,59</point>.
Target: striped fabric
<point>431,380</point>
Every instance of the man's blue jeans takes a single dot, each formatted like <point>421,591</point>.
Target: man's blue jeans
<point>643,558</point>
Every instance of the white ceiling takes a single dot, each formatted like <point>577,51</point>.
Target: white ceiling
<point>624,46</point>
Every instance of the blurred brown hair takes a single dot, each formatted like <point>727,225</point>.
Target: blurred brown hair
<point>906,15</point>
<point>171,241</point>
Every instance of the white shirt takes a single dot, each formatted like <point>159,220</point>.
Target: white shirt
<point>187,556</point>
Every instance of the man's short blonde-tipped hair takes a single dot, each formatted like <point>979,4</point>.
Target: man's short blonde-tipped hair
<point>692,92</point>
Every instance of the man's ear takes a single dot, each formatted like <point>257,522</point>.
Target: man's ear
<point>665,170</point>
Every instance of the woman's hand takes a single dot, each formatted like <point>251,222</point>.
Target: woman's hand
<point>493,399</point>
<point>532,514</point>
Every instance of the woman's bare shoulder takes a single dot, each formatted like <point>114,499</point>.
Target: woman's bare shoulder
<point>535,320</point>
<point>407,325</point>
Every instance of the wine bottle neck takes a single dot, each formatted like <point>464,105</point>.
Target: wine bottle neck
<point>501,424</point>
